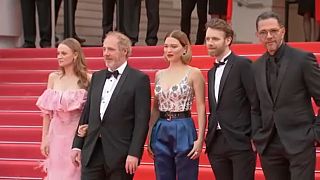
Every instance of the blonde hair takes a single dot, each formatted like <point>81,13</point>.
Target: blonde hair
<point>124,42</point>
<point>184,41</point>
<point>80,66</point>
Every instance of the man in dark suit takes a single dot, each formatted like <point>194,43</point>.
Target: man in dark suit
<point>286,79</point>
<point>129,18</point>
<point>107,16</point>
<point>152,8</point>
<point>117,113</point>
<point>28,8</point>
<point>74,8</point>
<point>232,102</point>
<point>187,7</point>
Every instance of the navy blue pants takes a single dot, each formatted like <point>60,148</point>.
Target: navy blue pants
<point>171,141</point>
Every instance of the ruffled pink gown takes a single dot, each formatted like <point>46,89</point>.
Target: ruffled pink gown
<point>64,108</point>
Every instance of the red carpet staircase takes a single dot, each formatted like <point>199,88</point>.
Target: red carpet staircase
<point>23,76</point>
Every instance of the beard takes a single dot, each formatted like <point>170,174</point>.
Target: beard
<point>216,52</point>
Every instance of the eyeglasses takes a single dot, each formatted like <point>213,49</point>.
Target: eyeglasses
<point>264,33</point>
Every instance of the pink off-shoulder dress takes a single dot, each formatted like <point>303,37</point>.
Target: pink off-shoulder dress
<point>64,109</point>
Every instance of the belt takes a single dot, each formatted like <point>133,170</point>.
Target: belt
<point>174,115</point>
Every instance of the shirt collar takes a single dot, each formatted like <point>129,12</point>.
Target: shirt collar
<point>121,68</point>
<point>279,53</point>
<point>224,58</point>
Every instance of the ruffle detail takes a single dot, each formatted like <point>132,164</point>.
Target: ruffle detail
<point>69,100</point>
<point>43,165</point>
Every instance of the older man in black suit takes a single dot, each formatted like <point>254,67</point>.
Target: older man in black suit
<point>117,113</point>
<point>286,80</point>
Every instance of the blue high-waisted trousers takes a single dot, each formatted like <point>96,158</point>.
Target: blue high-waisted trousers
<point>171,141</point>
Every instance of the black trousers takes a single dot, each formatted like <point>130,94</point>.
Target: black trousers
<point>74,8</point>
<point>28,8</point>
<point>107,16</point>
<point>228,163</point>
<point>97,169</point>
<point>129,18</point>
<point>278,164</point>
<point>187,7</point>
<point>152,7</point>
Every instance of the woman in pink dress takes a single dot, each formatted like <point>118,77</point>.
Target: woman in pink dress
<point>61,105</point>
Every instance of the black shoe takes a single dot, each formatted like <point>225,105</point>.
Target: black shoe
<point>151,42</point>
<point>28,45</point>
<point>79,39</point>
<point>45,45</point>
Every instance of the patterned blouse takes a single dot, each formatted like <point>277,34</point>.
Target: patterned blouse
<point>177,98</point>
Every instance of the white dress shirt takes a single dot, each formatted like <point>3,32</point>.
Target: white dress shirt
<point>108,89</point>
<point>218,76</point>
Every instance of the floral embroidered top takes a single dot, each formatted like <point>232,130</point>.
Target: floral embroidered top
<point>176,98</point>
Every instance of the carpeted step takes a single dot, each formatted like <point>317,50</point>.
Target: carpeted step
<point>18,118</point>
<point>20,134</point>
<point>41,76</point>
<point>28,104</point>
<point>22,89</point>
<point>18,103</point>
<point>158,62</point>
<point>36,89</point>
<point>20,150</point>
<point>20,169</point>
<point>12,168</point>
<point>32,151</point>
<point>140,51</point>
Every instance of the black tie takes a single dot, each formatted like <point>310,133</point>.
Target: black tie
<point>219,63</point>
<point>273,75</point>
<point>115,74</point>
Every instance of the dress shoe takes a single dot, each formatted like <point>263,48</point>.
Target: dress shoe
<point>28,45</point>
<point>45,44</point>
<point>152,41</point>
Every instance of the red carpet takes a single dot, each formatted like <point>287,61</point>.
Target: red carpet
<point>23,74</point>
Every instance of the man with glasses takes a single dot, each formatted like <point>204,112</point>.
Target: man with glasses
<point>286,80</point>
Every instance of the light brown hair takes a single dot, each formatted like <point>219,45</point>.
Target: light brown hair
<point>124,42</point>
<point>80,65</point>
<point>221,25</point>
<point>184,41</point>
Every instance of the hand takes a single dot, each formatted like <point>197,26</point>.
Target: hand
<point>82,130</point>
<point>150,153</point>
<point>44,148</point>
<point>196,150</point>
<point>76,157</point>
<point>131,164</point>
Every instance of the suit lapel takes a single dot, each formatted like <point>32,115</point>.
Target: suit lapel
<point>282,71</point>
<point>212,89</point>
<point>225,75</point>
<point>117,89</point>
<point>101,80</point>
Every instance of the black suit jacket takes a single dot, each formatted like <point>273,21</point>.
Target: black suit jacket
<point>291,112</point>
<point>124,126</point>
<point>237,103</point>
